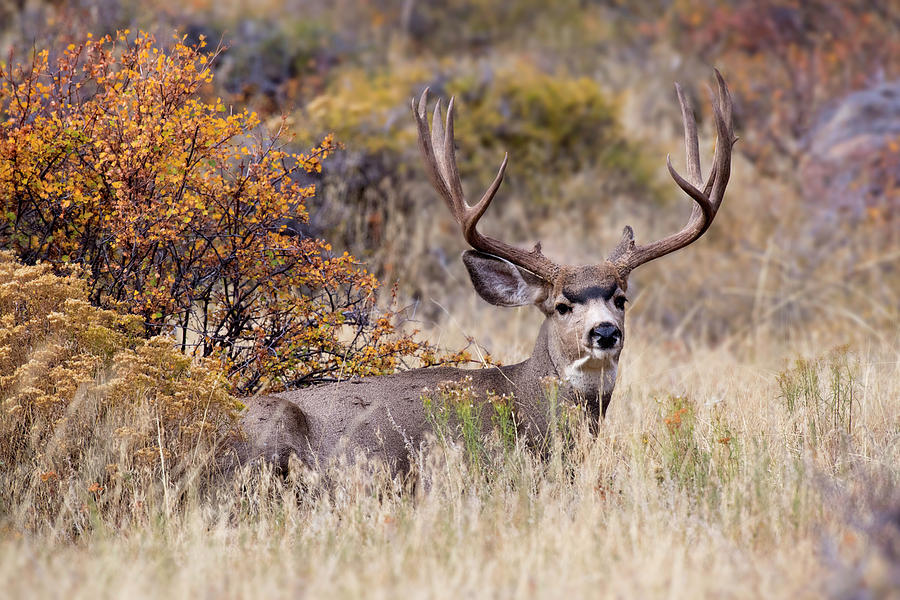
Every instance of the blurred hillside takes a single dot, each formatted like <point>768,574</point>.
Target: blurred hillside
<point>752,444</point>
<point>580,94</point>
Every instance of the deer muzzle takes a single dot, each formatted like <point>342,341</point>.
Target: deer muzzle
<point>604,336</point>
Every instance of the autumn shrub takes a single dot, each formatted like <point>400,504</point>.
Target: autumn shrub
<point>550,124</point>
<point>87,402</point>
<point>182,212</point>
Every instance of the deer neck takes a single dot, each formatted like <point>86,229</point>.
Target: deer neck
<point>593,386</point>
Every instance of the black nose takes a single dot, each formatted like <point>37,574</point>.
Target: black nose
<point>605,335</point>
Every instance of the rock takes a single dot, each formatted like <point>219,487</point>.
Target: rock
<point>853,154</point>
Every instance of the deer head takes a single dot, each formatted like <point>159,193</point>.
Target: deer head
<point>584,306</point>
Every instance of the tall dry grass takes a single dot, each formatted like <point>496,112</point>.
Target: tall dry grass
<point>712,475</point>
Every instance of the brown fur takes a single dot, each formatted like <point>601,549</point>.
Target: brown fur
<point>385,416</point>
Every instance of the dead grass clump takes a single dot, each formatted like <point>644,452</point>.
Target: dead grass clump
<point>94,419</point>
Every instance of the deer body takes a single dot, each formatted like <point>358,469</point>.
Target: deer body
<point>579,342</point>
<point>386,417</point>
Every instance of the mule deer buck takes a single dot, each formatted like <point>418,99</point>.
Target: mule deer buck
<point>579,342</point>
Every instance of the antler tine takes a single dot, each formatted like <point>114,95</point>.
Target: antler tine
<point>428,150</point>
<point>437,145</point>
<point>722,108</point>
<point>627,255</point>
<point>451,171</point>
<point>437,138</point>
<point>691,145</point>
<point>473,213</point>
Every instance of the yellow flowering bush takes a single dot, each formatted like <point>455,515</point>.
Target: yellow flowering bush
<point>179,211</point>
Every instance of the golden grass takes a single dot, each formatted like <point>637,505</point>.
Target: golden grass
<point>702,482</point>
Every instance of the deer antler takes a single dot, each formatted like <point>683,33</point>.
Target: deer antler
<point>627,255</point>
<point>437,147</point>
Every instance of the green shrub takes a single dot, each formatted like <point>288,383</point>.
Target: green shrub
<point>552,125</point>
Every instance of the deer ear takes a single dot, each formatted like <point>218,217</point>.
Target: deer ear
<point>502,283</point>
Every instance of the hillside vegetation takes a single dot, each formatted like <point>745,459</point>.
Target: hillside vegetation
<point>185,222</point>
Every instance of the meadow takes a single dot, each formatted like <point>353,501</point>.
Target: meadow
<point>753,441</point>
<point>711,475</point>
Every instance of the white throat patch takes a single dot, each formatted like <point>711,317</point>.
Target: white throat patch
<point>591,374</point>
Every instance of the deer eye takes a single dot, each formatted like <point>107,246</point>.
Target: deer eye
<point>620,302</point>
<point>563,309</point>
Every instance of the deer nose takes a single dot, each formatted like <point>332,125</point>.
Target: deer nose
<point>605,335</point>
